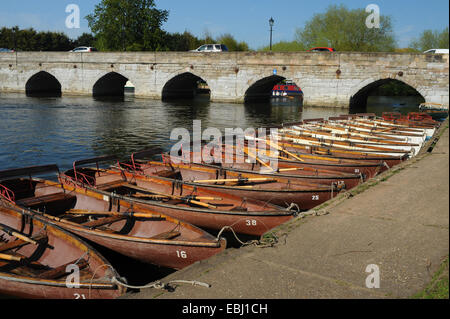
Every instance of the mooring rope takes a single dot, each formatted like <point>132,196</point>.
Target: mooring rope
<point>261,243</point>
<point>156,284</point>
<point>161,285</point>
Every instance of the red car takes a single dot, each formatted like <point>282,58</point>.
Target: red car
<point>322,49</point>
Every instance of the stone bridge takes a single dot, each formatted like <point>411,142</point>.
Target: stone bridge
<point>337,79</point>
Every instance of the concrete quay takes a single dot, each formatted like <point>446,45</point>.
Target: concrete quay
<point>398,221</point>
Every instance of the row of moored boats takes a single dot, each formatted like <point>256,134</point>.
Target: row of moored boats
<point>163,213</point>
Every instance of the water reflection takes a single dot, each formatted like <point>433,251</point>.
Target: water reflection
<point>36,131</point>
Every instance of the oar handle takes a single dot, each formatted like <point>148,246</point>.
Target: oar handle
<point>131,214</point>
<point>201,203</point>
<point>14,233</point>
<point>290,169</point>
<point>10,257</point>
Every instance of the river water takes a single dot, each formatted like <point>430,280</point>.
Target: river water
<point>38,131</point>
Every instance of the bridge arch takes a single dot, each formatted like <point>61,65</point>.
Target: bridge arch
<point>43,84</point>
<point>358,98</point>
<point>262,89</point>
<point>184,86</point>
<point>110,84</point>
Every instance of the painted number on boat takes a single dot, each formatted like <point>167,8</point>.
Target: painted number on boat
<point>356,170</point>
<point>250,222</point>
<point>315,197</point>
<point>79,296</point>
<point>181,254</point>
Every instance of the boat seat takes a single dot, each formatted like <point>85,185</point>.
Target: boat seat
<point>168,174</point>
<point>60,271</point>
<point>19,243</point>
<point>45,199</point>
<point>103,221</point>
<point>114,184</point>
<point>167,235</point>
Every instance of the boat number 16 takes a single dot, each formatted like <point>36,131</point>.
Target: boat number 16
<point>181,254</point>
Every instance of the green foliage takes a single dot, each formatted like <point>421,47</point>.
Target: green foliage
<point>180,41</point>
<point>31,40</point>
<point>431,40</point>
<point>86,40</point>
<point>285,46</point>
<point>128,25</point>
<point>406,50</point>
<point>231,43</point>
<point>346,30</point>
<point>438,287</point>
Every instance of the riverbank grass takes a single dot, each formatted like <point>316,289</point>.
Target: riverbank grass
<point>438,287</point>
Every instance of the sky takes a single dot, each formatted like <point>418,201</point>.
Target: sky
<point>246,20</point>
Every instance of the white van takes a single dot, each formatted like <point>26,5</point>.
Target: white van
<point>437,51</point>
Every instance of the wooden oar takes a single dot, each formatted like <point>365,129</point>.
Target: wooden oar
<point>10,257</point>
<point>130,214</point>
<point>189,197</point>
<point>143,190</point>
<point>14,233</point>
<point>236,180</point>
<point>259,160</point>
<point>290,169</point>
<point>287,152</point>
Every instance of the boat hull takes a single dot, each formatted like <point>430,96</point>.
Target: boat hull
<point>63,248</point>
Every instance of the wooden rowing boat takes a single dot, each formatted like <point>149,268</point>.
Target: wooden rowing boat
<point>345,145</point>
<point>322,151</point>
<point>284,172</point>
<point>206,208</point>
<point>109,221</point>
<point>276,191</point>
<point>341,128</point>
<point>35,255</point>
<point>330,132</point>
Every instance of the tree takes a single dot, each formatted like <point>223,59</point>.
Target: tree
<point>181,41</point>
<point>30,40</point>
<point>231,43</point>
<point>430,39</point>
<point>86,39</point>
<point>346,30</point>
<point>285,46</point>
<point>128,25</point>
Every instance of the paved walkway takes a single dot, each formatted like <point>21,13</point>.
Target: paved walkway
<point>401,224</point>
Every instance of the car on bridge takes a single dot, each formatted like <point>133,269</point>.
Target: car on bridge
<point>84,49</point>
<point>437,51</point>
<point>211,48</point>
<point>322,49</point>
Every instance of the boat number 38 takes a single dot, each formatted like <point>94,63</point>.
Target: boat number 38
<point>250,222</point>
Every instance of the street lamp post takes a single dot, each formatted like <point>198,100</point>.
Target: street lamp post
<point>271,22</point>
